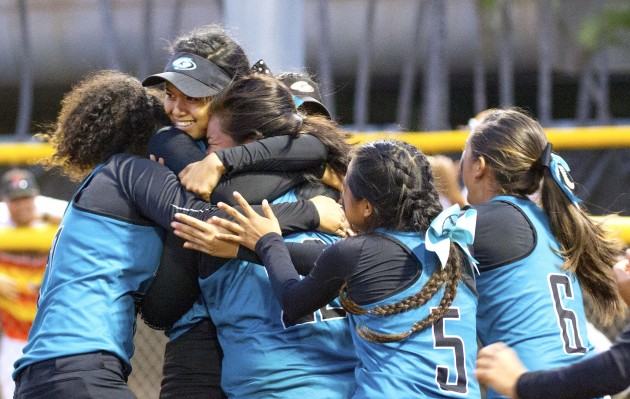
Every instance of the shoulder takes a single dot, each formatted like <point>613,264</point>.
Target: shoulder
<point>503,234</point>
<point>369,247</point>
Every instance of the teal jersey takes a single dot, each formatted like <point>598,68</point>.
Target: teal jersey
<point>532,304</point>
<point>92,275</point>
<point>437,362</point>
<point>264,357</point>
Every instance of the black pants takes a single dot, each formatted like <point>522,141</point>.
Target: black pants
<point>192,365</point>
<point>97,375</point>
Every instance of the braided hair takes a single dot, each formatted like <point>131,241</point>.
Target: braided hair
<point>396,178</point>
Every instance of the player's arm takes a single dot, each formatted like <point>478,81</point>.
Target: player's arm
<point>607,373</point>
<point>304,154</point>
<point>177,150</point>
<point>297,297</point>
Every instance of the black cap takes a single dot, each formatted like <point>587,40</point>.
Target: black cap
<point>306,92</point>
<point>19,183</point>
<point>195,76</point>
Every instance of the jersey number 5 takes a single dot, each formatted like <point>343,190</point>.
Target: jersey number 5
<point>567,319</point>
<point>456,344</point>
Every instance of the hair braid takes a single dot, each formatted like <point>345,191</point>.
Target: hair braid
<point>449,278</point>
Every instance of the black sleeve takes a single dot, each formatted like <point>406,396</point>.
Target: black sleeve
<point>279,153</point>
<point>156,192</point>
<point>503,235</point>
<point>176,147</point>
<point>299,297</point>
<point>303,255</point>
<point>175,286</point>
<point>604,374</point>
<point>255,186</point>
<point>178,150</point>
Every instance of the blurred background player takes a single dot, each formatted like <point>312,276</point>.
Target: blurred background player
<point>21,272</point>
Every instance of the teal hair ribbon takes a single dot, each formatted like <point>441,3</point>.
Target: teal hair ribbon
<point>452,225</point>
<point>560,172</point>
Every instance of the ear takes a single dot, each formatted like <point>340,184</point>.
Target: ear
<point>367,208</point>
<point>480,168</point>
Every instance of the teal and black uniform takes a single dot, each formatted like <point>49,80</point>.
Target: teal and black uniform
<point>383,267</point>
<point>267,356</point>
<point>526,299</point>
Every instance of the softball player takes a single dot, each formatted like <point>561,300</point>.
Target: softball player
<point>535,260</point>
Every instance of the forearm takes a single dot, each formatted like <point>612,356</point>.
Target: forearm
<point>603,374</point>
<point>280,153</point>
<point>303,255</point>
<point>298,297</point>
<point>255,186</point>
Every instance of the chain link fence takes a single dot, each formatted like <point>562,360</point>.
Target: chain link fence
<point>147,362</point>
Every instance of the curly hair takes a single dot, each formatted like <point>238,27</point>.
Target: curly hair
<point>106,113</point>
<point>258,106</point>
<point>396,178</point>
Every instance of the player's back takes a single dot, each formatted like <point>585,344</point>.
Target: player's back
<point>263,356</point>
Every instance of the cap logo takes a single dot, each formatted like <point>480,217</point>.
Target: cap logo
<point>184,64</point>
<point>19,182</point>
<point>302,86</point>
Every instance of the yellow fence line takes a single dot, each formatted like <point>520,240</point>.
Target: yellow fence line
<point>40,239</point>
<point>27,239</point>
<point>24,153</point>
<point>618,225</point>
<point>582,138</point>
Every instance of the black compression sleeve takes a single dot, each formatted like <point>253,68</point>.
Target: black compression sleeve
<point>604,374</point>
<point>178,150</point>
<point>255,186</point>
<point>303,255</point>
<point>279,153</point>
<point>297,297</point>
<point>503,235</point>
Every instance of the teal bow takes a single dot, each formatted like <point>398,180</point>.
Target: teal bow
<point>452,225</point>
<point>560,172</point>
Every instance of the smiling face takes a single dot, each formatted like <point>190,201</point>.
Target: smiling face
<point>186,113</point>
<point>217,139</point>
